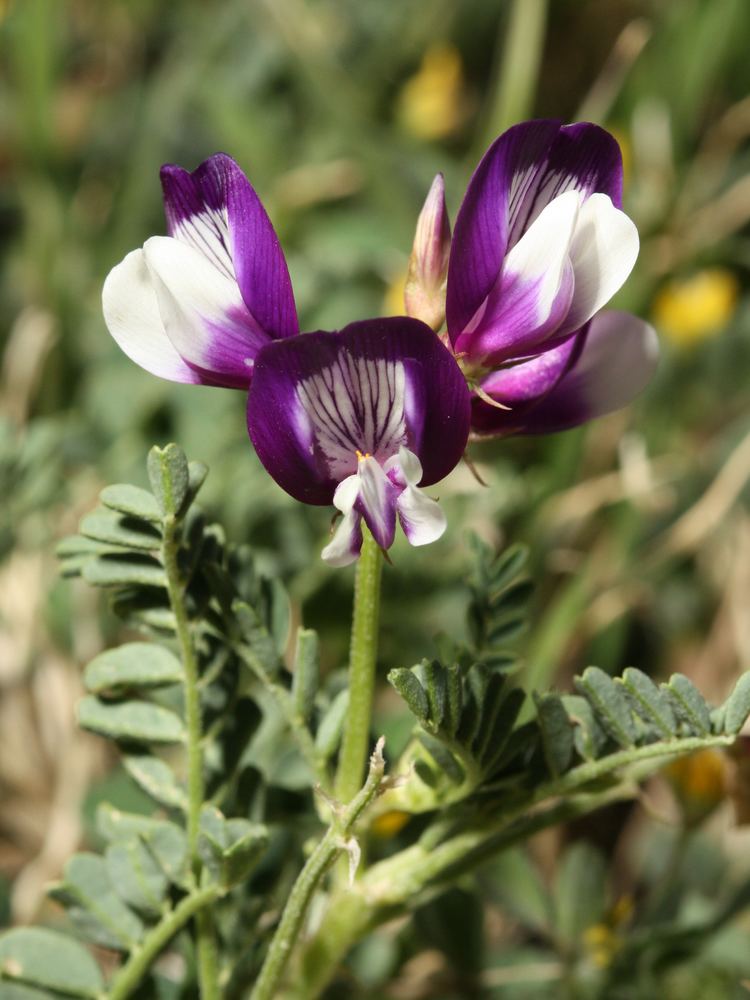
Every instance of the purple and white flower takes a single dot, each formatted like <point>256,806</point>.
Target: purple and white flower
<point>540,246</point>
<point>363,418</point>
<point>197,305</point>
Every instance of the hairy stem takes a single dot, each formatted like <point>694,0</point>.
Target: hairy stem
<point>129,978</point>
<point>175,588</point>
<point>362,659</point>
<point>205,933</point>
<point>336,840</point>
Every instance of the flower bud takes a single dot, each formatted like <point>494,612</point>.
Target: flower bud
<point>424,295</point>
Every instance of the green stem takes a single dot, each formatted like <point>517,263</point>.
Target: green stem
<point>362,658</point>
<point>130,976</point>
<point>330,847</point>
<point>175,588</point>
<point>208,955</point>
<point>518,70</point>
<point>205,932</point>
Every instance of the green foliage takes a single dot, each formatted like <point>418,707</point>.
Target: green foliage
<point>38,957</point>
<point>470,724</point>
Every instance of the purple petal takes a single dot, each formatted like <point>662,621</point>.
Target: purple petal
<point>582,157</point>
<point>616,363</point>
<point>318,399</point>
<point>215,210</point>
<point>522,171</point>
<point>480,237</point>
<point>533,294</point>
<point>522,386</point>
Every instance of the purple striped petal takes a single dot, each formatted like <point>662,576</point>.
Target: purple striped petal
<point>615,363</point>
<point>582,157</point>
<point>319,399</point>
<point>215,210</point>
<point>480,236</point>
<point>523,170</point>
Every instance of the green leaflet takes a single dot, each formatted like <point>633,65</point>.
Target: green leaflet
<point>689,704</point>
<point>134,664</point>
<point>610,704</point>
<point>306,676</point>
<point>737,705</point>
<point>43,958</point>
<point>131,500</point>
<point>100,915</point>
<point>557,732</point>
<point>136,721</point>
<point>649,701</point>
<point>169,478</point>
<point>165,841</point>
<point>230,848</point>
<point>138,876</point>
<point>119,571</point>
<point>156,778</point>
<point>113,528</point>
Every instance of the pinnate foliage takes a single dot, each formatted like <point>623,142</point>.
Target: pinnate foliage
<point>226,832</point>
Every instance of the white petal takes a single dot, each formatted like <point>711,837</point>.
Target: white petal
<point>541,255</point>
<point>346,543</point>
<point>346,494</point>
<point>532,296</point>
<point>407,467</point>
<point>603,251</point>
<point>422,518</point>
<point>131,312</point>
<point>203,312</point>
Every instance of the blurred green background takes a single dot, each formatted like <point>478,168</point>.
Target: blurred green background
<point>341,113</point>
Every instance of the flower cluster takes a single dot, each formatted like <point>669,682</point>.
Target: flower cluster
<point>368,416</point>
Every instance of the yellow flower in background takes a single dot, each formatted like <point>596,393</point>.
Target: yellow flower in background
<point>690,310</point>
<point>388,824</point>
<point>601,944</point>
<point>393,300</point>
<point>603,940</point>
<point>432,103</point>
<point>700,783</point>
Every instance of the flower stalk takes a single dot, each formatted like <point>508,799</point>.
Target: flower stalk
<point>336,840</point>
<point>362,661</point>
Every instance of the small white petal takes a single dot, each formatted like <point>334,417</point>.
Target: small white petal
<point>346,494</point>
<point>411,467</point>
<point>131,312</point>
<point>603,250</point>
<point>422,518</point>
<point>346,543</point>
